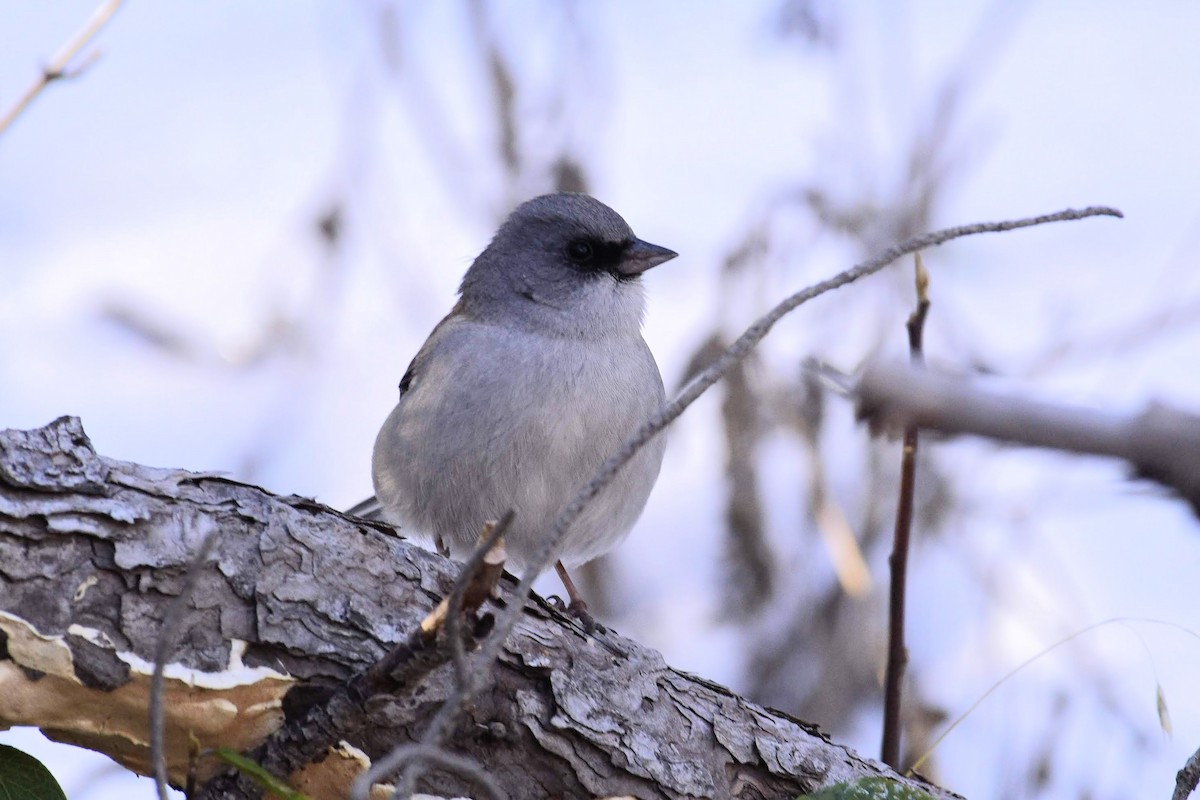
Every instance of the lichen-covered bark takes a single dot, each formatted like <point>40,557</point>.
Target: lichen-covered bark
<point>294,599</point>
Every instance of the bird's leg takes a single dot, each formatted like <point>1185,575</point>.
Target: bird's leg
<point>442,548</point>
<point>577,608</point>
<point>572,592</point>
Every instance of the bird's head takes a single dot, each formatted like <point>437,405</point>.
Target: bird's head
<point>566,261</point>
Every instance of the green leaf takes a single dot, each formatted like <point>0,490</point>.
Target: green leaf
<point>23,777</point>
<point>869,789</point>
<point>256,773</point>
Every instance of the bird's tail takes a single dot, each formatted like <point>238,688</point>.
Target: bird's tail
<point>367,509</point>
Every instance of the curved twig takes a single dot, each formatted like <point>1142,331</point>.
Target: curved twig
<point>690,393</point>
<point>424,754</point>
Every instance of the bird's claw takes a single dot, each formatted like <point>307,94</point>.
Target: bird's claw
<point>578,610</point>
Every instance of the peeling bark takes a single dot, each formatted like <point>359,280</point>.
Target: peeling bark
<point>295,599</point>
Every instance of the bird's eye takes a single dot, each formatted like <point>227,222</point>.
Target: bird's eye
<point>580,251</point>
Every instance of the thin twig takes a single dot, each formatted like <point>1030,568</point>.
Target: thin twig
<point>194,751</point>
<point>479,575</point>
<point>1025,664</point>
<point>58,66</point>
<point>744,344</point>
<point>424,754</point>
<point>420,652</point>
<point>475,581</point>
<point>670,412</point>
<point>897,652</point>
<point>467,681</point>
<point>162,648</point>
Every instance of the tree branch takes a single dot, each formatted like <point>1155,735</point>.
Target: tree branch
<point>295,600</point>
<point>1161,443</point>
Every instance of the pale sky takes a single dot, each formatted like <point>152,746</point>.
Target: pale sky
<point>180,175</point>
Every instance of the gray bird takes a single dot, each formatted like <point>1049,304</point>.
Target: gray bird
<point>536,376</point>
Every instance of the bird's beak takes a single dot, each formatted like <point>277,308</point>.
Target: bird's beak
<point>640,256</point>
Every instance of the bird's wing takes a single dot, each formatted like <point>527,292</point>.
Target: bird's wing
<point>414,366</point>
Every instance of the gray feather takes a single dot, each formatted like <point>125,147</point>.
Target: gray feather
<point>518,396</point>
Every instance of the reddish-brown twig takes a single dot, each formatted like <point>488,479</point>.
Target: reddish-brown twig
<point>897,652</point>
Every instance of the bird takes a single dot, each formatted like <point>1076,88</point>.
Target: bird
<point>536,376</point>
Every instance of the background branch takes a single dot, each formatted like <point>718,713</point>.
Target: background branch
<point>59,66</point>
<point>1161,443</point>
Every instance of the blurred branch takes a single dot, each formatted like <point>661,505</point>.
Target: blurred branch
<point>749,561</point>
<point>1187,778</point>
<point>897,653</point>
<point>522,123</point>
<point>60,66</point>
<point>1162,444</point>
<point>748,574</point>
<point>162,650</point>
<point>503,88</point>
<point>421,753</point>
<point>849,563</point>
<point>1149,329</point>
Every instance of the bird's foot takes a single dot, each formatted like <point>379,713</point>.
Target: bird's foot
<point>578,610</point>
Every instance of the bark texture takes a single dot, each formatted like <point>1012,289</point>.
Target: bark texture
<point>294,600</point>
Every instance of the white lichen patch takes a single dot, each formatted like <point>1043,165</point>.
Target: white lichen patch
<point>33,650</point>
<point>84,585</point>
<point>93,635</point>
<point>236,673</point>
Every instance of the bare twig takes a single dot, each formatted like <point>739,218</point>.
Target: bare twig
<point>897,653</point>
<point>478,577</point>
<point>1187,778</point>
<point>1161,443</point>
<point>194,752</point>
<point>59,65</point>
<point>1026,663</point>
<point>744,344</point>
<point>750,339</point>
<point>475,582</point>
<point>162,648</point>
<point>424,754</point>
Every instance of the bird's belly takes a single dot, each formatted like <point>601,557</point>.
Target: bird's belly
<point>527,435</point>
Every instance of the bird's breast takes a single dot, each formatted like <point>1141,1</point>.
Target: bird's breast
<point>499,419</point>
